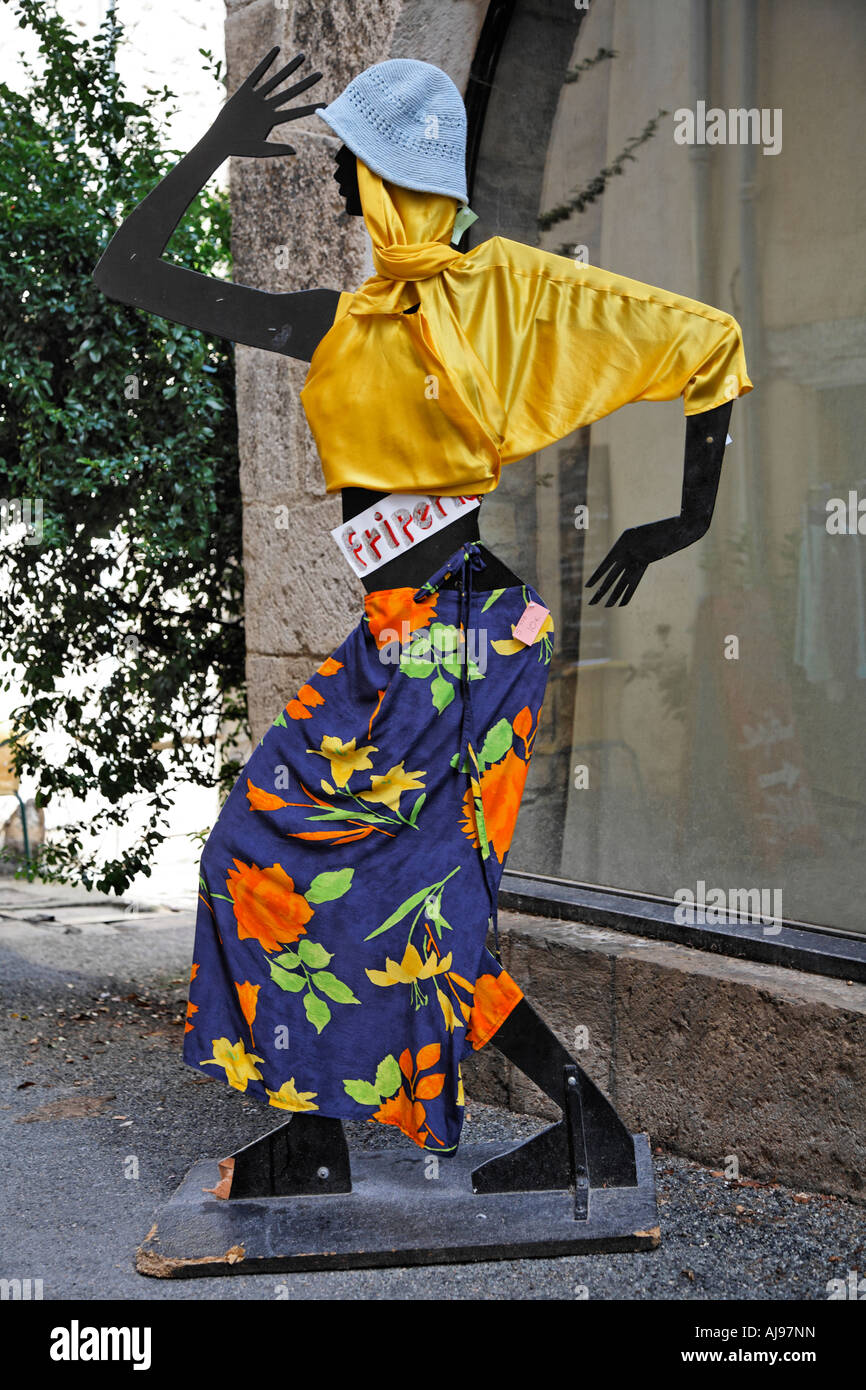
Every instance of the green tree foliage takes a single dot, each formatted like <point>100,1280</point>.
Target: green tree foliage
<point>122,626</point>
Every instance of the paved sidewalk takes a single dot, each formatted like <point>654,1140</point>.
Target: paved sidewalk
<point>91,1018</point>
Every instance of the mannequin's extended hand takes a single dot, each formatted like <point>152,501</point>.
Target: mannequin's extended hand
<point>626,562</point>
<point>250,114</point>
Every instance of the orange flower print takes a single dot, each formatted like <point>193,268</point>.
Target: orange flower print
<point>248,995</point>
<point>267,908</point>
<point>404,1109</point>
<point>409,1116</point>
<point>495,997</point>
<point>307,699</point>
<point>260,800</point>
<point>191,1008</point>
<point>388,609</point>
<point>329,667</point>
<point>523,723</point>
<point>310,697</point>
<point>501,790</point>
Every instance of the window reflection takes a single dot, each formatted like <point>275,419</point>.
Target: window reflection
<point>712,731</point>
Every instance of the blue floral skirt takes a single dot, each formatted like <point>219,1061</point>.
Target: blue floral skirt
<point>349,883</point>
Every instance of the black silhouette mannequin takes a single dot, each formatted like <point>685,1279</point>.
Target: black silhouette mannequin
<point>309,1152</point>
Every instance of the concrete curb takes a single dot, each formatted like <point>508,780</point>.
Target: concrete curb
<point>718,1059</point>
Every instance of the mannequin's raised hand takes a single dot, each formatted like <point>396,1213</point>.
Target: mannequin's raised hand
<point>250,114</point>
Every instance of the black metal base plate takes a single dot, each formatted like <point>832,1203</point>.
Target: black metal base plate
<point>394,1216</point>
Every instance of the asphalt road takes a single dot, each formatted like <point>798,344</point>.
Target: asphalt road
<point>91,1016</point>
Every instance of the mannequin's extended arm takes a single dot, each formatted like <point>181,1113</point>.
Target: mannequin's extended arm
<point>132,270</point>
<point>625,563</point>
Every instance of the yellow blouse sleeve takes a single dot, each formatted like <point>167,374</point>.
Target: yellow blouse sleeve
<point>565,344</point>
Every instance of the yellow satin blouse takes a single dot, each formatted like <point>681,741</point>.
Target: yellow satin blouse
<point>511,349</point>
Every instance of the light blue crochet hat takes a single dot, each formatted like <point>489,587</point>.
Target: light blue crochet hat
<point>406,121</point>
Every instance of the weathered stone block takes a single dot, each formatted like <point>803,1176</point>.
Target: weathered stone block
<point>713,1056</point>
<point>300,594</point>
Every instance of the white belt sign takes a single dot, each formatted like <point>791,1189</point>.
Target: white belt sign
<point>393,525</point>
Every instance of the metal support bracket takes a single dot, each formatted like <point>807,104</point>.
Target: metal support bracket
<point>294,1160</point>
<point>589,1148</point>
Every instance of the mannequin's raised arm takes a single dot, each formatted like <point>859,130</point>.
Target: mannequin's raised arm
<point>132,270</point>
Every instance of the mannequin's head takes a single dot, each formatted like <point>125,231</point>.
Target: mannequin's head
<point>346,176</point>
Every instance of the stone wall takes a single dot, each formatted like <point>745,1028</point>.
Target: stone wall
<point>715,1058</point>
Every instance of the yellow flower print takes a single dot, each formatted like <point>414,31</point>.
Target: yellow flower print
<point>451,1019</point>
<point>411,968</point>
<point>238,1063</point>
<point>390,788</point>
<point>344,758</point>
<point>288,1097</point>
<point>508,646</point>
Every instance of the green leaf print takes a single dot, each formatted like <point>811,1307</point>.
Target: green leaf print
<point>497,593</point>
<point>288,960</point>
<point>334,988</point>
<point>312,954</point>
<point>481,828</point>
<point>413,814</point>
<point>292,984</point>
<point>406,906</point>
<point>328,886</point>
<point>337,814</point>
<point>281,720</point>
<point>422,669</point>
<point>388,1077</point>
<point>317,1011</point>
<point>442,692</point>
<point>434,916</point>
<point>400,912</point>
<point>497,742</point>
<point>362,1092</point>
<point>445,644</point>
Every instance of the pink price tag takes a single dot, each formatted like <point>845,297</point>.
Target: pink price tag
<point>527,628</point>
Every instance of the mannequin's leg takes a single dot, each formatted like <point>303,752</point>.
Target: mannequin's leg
<point>543,1162</point>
